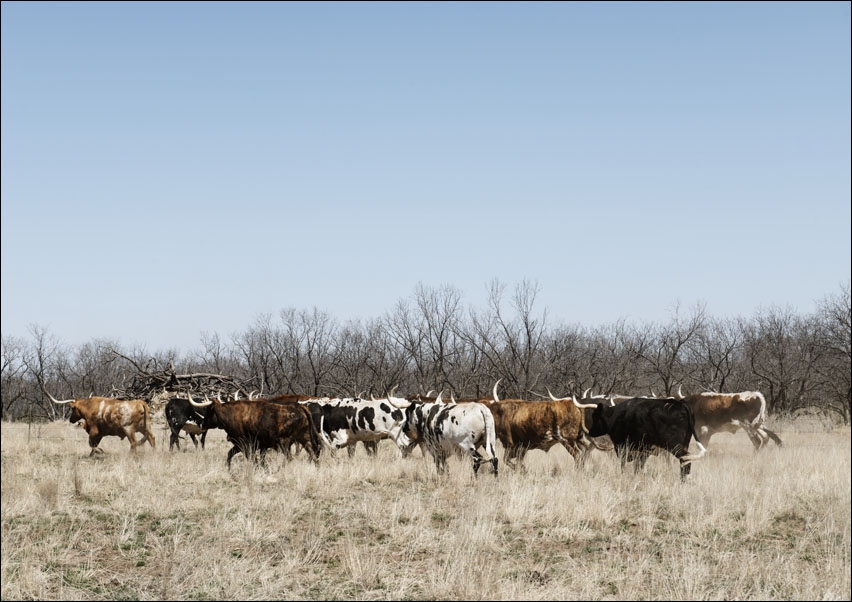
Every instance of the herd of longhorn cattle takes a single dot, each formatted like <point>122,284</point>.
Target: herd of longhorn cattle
<point>634,427</point>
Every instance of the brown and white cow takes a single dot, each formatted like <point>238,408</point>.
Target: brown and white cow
<point>730,412</point>
<point>109,417</point>
<point>523,425</point>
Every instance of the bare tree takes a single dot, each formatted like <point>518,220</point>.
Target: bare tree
<point>662,349</point>
<point>13,378</point>
<point>512,346</point>
<point>714,356</point>
<point>833,332</point>
<point>781,353</point>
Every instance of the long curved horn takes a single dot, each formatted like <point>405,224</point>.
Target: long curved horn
<point>680,392</point>
<point>395,402</point>
<point>551,395</point>
<point>390,393</point>
<point>372,397</point>
<point>208,402</point>
<point>54,400</point>
<point>586,392</point>
<point>583,406</point>
<point>452,397</point>
<point>438,398</point>
<point>494,392</point>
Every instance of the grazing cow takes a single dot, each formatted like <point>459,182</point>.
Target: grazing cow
<point>344,422</point>
<point>255,426</point>
<point>729,412</point>
<point>639,424</point>
<point>107,417</point>
<point>183,416</point>
<point>445,427</point>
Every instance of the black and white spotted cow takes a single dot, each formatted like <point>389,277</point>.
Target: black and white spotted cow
<point>343,422</point>
<point>443,428</point>
<point>183,416</point>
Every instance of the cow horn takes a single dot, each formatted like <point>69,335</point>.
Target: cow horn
<point>438,398</point>
<point>494,391</point>
<point>197,404</point>
<point>583,406</point>
<point>680,391</point>
<point>452,397</point>
<point>54,400</point>
<point>372,397</point>
<point>551,394</point>
<point>586,392</point>
<point>395,402</point>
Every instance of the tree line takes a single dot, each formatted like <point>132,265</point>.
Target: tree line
<point>432,342</point>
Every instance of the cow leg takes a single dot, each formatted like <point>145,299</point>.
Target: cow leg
<point>203,437</point>
<point>350,449</point>
<point>234,451</point>
<point>772,436</point>
<point>174,440</point>
<point>640,458</point>
<point>94,441</point>
<point>510,455</point>
<point>371,447</point>
<point>441,461</point>
<point>685,468</point>
<point>577,450</point>
<point>754,435</point>
<point>477,460</point>
<point>194,440</point>
<point>131,436</point>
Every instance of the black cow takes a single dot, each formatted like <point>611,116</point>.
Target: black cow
<point>639,424</point>
<point>183,416</point>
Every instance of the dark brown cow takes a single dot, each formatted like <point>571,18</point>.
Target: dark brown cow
<point>730,412</point>
<point>108,417</point>
<point>255,426</point>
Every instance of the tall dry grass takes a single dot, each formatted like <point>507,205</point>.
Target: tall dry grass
<point>179,526</point>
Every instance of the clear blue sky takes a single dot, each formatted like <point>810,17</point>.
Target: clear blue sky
<point>171,168</point>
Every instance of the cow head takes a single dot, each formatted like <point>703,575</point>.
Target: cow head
<point>76,415</point>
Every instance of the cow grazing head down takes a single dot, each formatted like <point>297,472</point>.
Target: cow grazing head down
<point>107,417</point>
<point>639,424</point>
<point>445,427</point>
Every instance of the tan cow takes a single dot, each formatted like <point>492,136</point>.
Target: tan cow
<point>730,412</point>
<point>106,417</point>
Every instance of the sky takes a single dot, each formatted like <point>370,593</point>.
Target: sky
<point>171,169</point>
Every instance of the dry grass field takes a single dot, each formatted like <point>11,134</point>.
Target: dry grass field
<point>180,526</point>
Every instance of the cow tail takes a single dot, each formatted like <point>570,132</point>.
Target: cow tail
<point>312,430</point>
<point>146,417</point>
<point>761,415</point>
<point>490,433</point>
<point>691,420</point>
